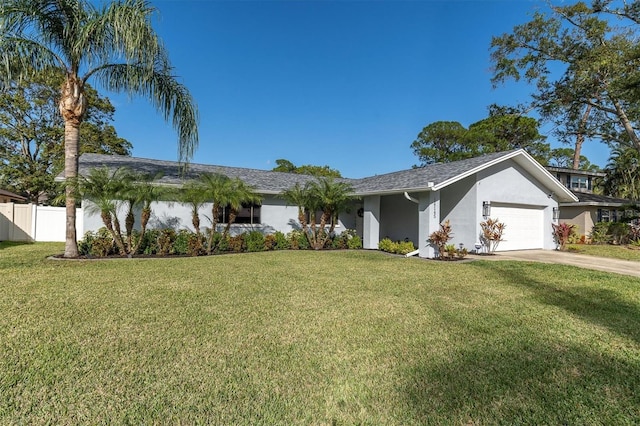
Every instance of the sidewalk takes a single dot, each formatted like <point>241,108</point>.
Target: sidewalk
<point>624,267</point>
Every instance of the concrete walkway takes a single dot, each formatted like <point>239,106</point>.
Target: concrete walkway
<point>625,267</point>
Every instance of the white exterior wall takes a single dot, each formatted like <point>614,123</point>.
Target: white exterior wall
<point>275,215</point>
<point>459,205</point>
<point>507,183</point>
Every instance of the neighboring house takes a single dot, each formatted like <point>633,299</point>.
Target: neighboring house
<point>406,205</point>
<point>590,208</point>
<point>10,197</point>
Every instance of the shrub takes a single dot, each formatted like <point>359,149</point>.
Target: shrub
<point>491,235</point>
<point>165,241</point>
<point>99,244</point>
<point>196,245</point>
<point>149,243</point>
<point>269,242</point>
<point>562,234</point>
<point>619,232</point>
<point>254,241</point>
<point>440,238</point>
<point>181,242</point>
<point>237,244</point>
<point>282,243</point>
<point>387,245</point>
<point>298,240</point>
<point>354,243</point>
<point>402,247</point>
<point>600,233</point>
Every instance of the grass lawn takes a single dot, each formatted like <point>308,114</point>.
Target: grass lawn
<point>314,338</point>
<point>607,250</point>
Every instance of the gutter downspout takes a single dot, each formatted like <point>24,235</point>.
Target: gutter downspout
<point>415,200</point>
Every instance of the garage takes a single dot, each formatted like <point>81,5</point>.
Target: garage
<point>524,226</point>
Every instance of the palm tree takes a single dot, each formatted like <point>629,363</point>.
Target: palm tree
<point>238,195</point>
<point>103,189</point>
<point>217,188</point>
<point>299,196</point>
<point>146,192</point>
<point>194,195</point>
<point>326,195</point>
<point>115,45</point>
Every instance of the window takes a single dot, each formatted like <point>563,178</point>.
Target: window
<point>603,215</point>
<point>248,214</point>
<point>579,182</point>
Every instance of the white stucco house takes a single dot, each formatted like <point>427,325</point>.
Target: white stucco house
<point>405,205</point>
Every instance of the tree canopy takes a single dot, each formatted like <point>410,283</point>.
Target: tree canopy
<point>287,166</point>
<point>32,134</point>
<point>115,46</point>
<point>584,62</point>
<point>503,130</point>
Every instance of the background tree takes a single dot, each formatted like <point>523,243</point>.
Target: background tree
<point>307,169</point>
<point>564,157</point>
<point>31,134</point>
<point>622,178</point>
<point>583,60</point>
<point>115,45</point>
<point>505,129</point>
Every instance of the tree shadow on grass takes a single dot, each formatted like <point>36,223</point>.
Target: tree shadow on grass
<point>524,382</point>
<point>520,375</point>
<point>600,306</point>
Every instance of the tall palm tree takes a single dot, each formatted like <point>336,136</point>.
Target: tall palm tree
<point>115,45</point>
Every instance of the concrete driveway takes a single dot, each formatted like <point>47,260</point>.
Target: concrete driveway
<point>625,267</point>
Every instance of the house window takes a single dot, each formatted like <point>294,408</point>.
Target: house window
<point>579,182</point>
<point>248,214</point>
<point>604,215</point>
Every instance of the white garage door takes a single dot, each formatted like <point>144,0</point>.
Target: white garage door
<point>524,227</point>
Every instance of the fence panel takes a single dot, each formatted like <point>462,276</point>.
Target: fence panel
<point>51,223</point>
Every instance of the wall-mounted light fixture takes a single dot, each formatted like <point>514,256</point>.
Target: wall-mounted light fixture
<point>486,208</point>
<point>556,213</point>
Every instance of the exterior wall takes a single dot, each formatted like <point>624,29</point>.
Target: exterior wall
<point>459,205</point>
<point>583,217</point>
<point>275,215</point>
<point>507,183</point>
<point>399,218</point>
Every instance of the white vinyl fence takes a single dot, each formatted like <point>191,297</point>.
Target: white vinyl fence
<point>29,222</point>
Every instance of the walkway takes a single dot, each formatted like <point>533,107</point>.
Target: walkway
<point>625,267</point>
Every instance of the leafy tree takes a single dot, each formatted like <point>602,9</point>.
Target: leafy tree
<point>31,134</point>
<point>583,60</point>
<point>115,45</point>
<point>503,130</point>
<point>443,142</point>
<point>307,169</point>
<point>564,157</point>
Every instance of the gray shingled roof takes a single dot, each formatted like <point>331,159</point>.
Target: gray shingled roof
<point>11,195</point>
<point>586,198</point>
<point>419,178</point>
<point>275,182</point>
<point>262,181</point>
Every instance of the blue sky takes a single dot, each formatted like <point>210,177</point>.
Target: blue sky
<point>347,84</point>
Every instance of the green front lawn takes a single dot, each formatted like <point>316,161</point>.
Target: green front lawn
<point>607,250</point>
<point>314,338</point>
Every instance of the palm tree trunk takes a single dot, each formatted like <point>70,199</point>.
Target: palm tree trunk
<point>215,209</point>
<point>195,219</point>
<point>144,220</point>
<point>71,138</point>
<point>73,106</point>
